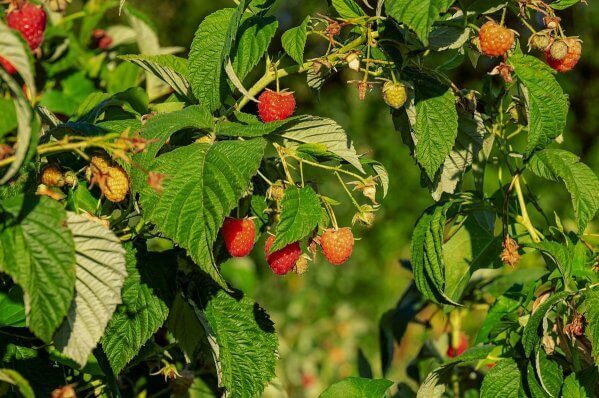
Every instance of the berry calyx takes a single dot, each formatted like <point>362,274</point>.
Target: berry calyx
<point>495,40</point>
<point>569,61</point>
<point>274,105</point>
<point>8,67</point>
<point>239,236</point>
<point>115,185</point>
<point>395,94</point>
<point>52,176</point>
<point>30,20</point>
<point>337,245</point>
<point>282,261</point>
<point>462,346</point>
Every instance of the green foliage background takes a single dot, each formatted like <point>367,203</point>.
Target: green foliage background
<point>328,320</point>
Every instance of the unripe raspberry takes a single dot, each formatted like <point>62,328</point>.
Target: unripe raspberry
<point>30,20</point>
<point>276,191</point>
<point>282,261</point>
<point>337,245</point>
<point>569,61</point>
<point>115,185</point>
<point>395,94</point>
<point>558,50</point>
<point>8,67</point>
<point>539,41</point>
<point>52,176</point>
<point>495,40</point>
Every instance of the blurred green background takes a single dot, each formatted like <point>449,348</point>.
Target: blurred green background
<point>326,317</point>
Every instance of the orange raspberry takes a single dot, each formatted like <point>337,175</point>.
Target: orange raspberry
<point>495,40</point>
<point>115,185</point>
<point>337,245</point>
<point>569,61</point>
<point>52,176</point>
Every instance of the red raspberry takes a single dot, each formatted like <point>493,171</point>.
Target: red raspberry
<point>337,245</point>
<point>570,60</point>
<point>239,236</point>
<point>30,20</point>
<point>275,105</point>
<point>101,40</point>
<point>495,40</point>
<point>282,261</point>
<point>8,67</point>
<point>453,352</point>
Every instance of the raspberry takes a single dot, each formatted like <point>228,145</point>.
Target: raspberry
<point>570,59</point>
<point>8,67</point>
<point>337,245</point>
<point>101,40</point>
<point>282,261</point>
<point>558,50</point>
<point>115,185</point>
<point>539,41</point>
<point>453,352</point>
<point>395,94</point>
<point>52,176</point>
<point>495,40</point>
<point>239,236</point>
<point>100,164</point>
<point>274,106</point>
<point>30,20</point>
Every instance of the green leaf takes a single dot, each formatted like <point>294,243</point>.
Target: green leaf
<point>242,336</point>
<point>530,336</point>
<point>203,183</point>
<point>435,124</point>
<point>581,182</point>
<point>250,128</point>
<point>39,254</point>
<point>209,52</point>
<point>253,38</point>
<point>573,388</point>
<point>591,302</point>
<point>13,308</point>
<point>417,15</point>
<point>100,275</point>
<point>550,374</point>
<point>14,49</point>
<point>348,9</point>
<point>558,253</point>
<point>74,89</point>
<point>428,264</point>
<point>294,41</point>
<point>563,4</point>
<point>502,381</point>
<point>146,295</point>
<point>13,377</point>
<point>8,121</point>
<point>300,214</point>
<point>494,321</point>
<point>185,326</point>
<point>317,130</point>
<point>547,105</point>
<point>357,387</point>
<point>168,68</point>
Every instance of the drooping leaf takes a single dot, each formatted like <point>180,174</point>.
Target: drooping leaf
<point>580,181</point>
<point>317,130</point>
<point>242,337</point>
<point>547,106</point>
<point>530,336</point>
<point>170,69</point>
<point>502,381</point>
<point>100,275</point>
<point>294,41</point>
<point>202,185</point>
<point>348,9</point>
<point>417,15</point>
<point>39,254</point>
<point>147,294</point>
<point>563,4</point>
<point>300,214</point>
<point>13,377</point>
<point>358,387</point>
<point>550,374</point>
<point>253,38</point>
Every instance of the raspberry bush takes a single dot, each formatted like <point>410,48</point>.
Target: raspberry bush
<point>131,173</point>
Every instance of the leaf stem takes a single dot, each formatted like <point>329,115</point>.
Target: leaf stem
<point>526,222</point>
<point>356,204</point>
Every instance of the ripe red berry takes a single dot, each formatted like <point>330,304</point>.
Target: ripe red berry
<point>239,235</point>
<point>30,20</point>
<point>8,67</point>
<point>453,352</point>
<point>101,39</point>
<point>568,62</point>
<point>274,106</point>
<point>337,245</point>
<point>495,40</point>
<point>282,261</point>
